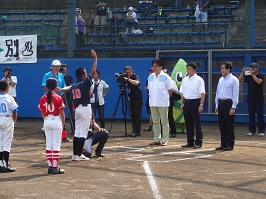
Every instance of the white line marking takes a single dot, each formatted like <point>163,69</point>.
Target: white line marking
<point>152,181</point>
<point>239,172</point>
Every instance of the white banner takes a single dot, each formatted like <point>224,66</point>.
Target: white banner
<point>18,49</point>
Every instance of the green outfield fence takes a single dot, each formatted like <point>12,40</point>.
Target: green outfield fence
<point>162,25</point>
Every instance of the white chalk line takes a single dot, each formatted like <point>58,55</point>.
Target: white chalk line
<point>194,153</point>
<point>152,181</point>
<point>239,172</point>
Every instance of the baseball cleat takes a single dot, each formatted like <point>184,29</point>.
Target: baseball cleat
<point>57,170</point>
<point>8,169</point>
<point>50,170</point>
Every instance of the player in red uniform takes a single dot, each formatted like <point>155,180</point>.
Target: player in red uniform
<point>52,107</point>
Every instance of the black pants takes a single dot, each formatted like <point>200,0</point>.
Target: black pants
<point>80,40</point>
<point>100,108</point>
<point>253,109</point>
<point>100,137</point>
<point>171,117</point>
<point>226,123</point>
<point>192,119</point>
<point>135,114</point>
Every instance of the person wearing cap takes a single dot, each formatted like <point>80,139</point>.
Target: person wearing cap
<point>12,83</point>
<point>100,18</point>
<point>54,72</point>
<point>131,20</point>
<point>68,95</point>
<point>255,98</point>
<point>80,28</point>
<point>149,128</point>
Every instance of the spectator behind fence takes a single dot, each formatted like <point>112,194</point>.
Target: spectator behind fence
<point>80,28</point>
<point>201,12</point>
<point>100,18</point>
<point>255,98</point>
<point>131,20</point>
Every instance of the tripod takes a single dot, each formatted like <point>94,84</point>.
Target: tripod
<point>125,105</point>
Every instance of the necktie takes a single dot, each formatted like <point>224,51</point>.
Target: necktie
<point>95,92</point>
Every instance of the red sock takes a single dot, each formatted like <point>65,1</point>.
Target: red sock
<point>49,157</point>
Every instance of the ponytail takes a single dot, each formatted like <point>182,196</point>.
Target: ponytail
<point>49,96</point>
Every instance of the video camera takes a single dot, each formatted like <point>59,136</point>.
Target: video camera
<point>120,78</point>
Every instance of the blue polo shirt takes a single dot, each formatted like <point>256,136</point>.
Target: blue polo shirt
<point>60,80</point>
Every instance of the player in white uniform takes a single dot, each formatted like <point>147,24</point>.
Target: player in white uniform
<point>52,107</point>
<point>8,114</point>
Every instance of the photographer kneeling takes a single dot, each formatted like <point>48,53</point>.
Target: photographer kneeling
<point>135,100</point>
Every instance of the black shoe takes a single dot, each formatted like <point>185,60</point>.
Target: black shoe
<point>133,135</point>
<point>57,170</point>
<point>188,145</point>
<point>50,170</point>
<point>227,148</point>
<point>219,148</point>
<point>148,129</point>
<point>1,168</point>
<point>8,169</point>
<point>66,139</point>
<point>172,135</point>
<point>99,155</point>
<point>197,146</point>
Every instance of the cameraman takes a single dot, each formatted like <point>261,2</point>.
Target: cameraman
<point>135,100</point>
<point>12,83</point>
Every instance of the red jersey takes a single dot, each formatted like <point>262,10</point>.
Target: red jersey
<point>53,108</point>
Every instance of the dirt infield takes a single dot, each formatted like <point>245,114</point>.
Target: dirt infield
<point>131,169</point>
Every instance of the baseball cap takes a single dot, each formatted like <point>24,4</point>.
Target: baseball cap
<point>130,8</point>
<point>254,64</point>
<point>151,69</point>
<point>7,68</point>
<point>56,63</point>
<point>78,9</point>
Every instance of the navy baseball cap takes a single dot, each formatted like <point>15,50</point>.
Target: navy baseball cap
<point>254,64</point>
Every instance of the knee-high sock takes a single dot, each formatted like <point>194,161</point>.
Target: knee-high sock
<point>5,158</point>
<point>56,155</point>
<point>49,157</point>
<point>81,142</point>
<point>75,145</point>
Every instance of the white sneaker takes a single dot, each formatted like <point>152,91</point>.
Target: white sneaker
<point>80,158</point>
<point>250,134</point>
<point>73,158</point>
<point>261,134</point>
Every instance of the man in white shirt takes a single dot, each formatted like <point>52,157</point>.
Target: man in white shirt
<point>226,100</point>
<point>12,83</point>
<point>193,95</point>
<point>160,89</point>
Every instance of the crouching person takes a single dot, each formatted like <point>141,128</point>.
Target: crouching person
<point>100,136</point>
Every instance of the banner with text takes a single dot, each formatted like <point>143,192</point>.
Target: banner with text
<point>18,49</point>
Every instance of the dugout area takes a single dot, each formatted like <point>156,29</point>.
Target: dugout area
<point>131,169</point>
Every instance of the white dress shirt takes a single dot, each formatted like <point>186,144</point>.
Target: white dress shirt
<point>192,87</point>
<point>228,88</point>
<point>159,89</point>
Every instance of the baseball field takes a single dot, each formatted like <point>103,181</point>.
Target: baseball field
<point>133,170</point>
